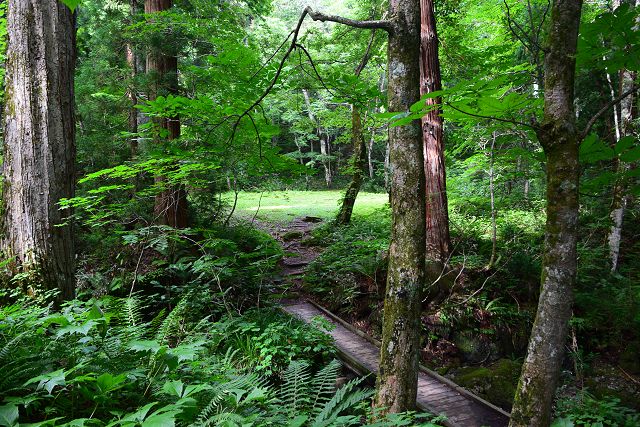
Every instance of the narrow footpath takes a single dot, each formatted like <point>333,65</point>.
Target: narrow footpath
<point>360,353</point>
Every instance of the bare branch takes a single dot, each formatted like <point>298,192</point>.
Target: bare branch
<point>319,16</point>
<point>604,109</point>
<point>499,119</point>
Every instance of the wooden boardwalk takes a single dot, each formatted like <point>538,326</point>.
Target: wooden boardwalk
<point>436,394</point>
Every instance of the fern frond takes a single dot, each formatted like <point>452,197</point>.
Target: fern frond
<point>221,390</point>
<point>295,393</point>
<point>323,386</point>
<point>345,398</point>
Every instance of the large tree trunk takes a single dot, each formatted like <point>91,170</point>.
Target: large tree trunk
<point>437,216</point>
<point>39,141</point>
<point>397,379</point>
<point>171,202</point>
<point>559,139</point>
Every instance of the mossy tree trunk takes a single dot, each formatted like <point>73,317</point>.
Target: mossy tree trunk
<point>559,139</point>
<point>437,215</point>
<point>397,379</point>
<point>359,164</point>
<point>39,141</point>
<point>162,66</point>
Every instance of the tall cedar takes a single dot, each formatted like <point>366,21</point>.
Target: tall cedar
<point>39,141</point>
<point>397,379</point>
<point>559,139</point>
<point>437,216</point>
<point>171,203</point>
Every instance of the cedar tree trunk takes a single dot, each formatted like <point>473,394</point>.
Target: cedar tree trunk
<point>171,203</point>
<point>437,216</point>
<point>39,141</point>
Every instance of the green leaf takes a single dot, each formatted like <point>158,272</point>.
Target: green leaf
<point>49,381</point>
<point>72,4</point>
<point>147,345</point>
<point>562,422</point>
<point>8,415</point>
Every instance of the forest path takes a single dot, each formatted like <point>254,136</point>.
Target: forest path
<point>360,353</point>
<point>436,394</point>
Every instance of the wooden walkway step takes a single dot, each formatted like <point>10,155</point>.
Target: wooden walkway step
<point>436,394</point>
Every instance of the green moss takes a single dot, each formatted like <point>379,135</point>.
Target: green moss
<point>495,383</point>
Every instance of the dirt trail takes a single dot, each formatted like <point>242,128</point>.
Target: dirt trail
<point>294,238</point>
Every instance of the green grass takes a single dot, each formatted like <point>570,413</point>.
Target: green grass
<point>284,206</point>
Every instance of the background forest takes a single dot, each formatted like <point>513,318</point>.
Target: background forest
<point>201,136</point>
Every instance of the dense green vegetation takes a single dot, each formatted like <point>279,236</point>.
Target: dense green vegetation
<point>188,177</point>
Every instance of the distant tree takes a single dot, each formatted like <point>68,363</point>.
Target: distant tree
<point>39,142</point>
<point>162,67</point>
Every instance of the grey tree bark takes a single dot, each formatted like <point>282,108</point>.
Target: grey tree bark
<point>397,379</point>
<point>323,141</point>
<point>624,119</point>
<point>398,375</point>
<point>560,140</point>
<point>39,142</point>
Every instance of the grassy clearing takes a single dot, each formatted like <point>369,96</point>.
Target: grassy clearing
<point>284,206</point>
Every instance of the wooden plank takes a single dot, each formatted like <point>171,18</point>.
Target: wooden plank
<point>436,394</point>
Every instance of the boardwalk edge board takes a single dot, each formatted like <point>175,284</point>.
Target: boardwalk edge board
<point>423,368</point>
<point>352,363</point>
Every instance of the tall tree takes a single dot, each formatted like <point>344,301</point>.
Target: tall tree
<point>162,65</point>
<point>559,138</point>
<point>39,141</point>
<point>625,117</point>
<point>437,216</point>
<point>398,376</point>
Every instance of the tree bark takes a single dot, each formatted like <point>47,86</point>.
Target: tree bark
<point>357,139</point>
<point>131,90</point>
<point>39,141</point>
<point>359,150</point>
<point>624,117</point>
<point>559,139</point>
<point>494,228</point>
<point>397,378</point>
<point>171,202</point>
<point>437,216</point>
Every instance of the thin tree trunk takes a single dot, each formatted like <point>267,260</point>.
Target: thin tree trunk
<point>624,119</point>
<point>322,137</point>
<point>39,142</point>
<point>559,139</point>
<point>357,138</point>
<point>494,234</point>
<point>171,202</point>
<point>437,216</point>
<point>359,149</point>
<point>387,167</point>
<point>398,375</point>
<point>131,91</point>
